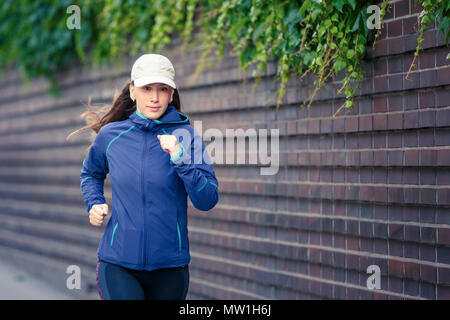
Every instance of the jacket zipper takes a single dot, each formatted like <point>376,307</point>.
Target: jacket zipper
<point>178,226</point>
<point>143,197</point>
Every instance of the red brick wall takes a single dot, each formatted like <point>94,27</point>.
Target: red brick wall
<point>368,187</point>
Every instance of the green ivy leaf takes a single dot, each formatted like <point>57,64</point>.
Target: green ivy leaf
<point>339,4</point>
<point>348,104</point>
<point>350,54</point>
<point>339,65</point>
<point>291,17</point>
<point>308,58</point>
<point>360,48</point>
<point>356,24</point>
<point>257,33</point>
<point>352,3</point>
<point>306,4</point>
<point>315,13</point>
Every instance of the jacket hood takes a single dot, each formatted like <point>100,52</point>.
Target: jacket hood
<point>170,116</point>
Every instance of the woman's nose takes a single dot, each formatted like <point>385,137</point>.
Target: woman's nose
<point>154,96</point>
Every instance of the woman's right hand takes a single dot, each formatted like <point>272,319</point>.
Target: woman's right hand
<point>97,214</point>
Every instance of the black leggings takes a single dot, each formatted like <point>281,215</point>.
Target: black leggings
<point>118,283</point>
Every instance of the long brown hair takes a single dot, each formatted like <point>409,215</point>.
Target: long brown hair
<point>121,109</point>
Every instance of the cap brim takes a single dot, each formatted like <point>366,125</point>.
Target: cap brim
<point>147,80</point>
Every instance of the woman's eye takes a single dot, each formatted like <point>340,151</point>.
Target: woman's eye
<point>164,89</point>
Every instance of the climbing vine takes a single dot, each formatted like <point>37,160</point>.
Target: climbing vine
<point>317,37</point>
<point>436,10</point>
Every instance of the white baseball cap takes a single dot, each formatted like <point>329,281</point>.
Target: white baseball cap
<point>152,68</point>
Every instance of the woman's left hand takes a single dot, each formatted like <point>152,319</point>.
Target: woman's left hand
<point>169,143</point>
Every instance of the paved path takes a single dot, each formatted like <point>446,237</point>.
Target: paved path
<point>18,285</point>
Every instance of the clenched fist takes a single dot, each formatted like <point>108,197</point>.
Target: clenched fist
<point>169,143</point>
<point>97,214</point>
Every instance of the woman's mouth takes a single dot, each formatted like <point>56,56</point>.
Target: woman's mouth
<point>154,109</point>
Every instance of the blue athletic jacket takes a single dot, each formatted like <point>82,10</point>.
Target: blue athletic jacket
<point>148,225</point>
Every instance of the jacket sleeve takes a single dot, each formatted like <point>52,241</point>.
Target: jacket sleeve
<point>193,165</point>
<point>93,173</point>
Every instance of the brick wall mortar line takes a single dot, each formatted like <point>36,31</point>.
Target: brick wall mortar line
<point>299,275</point>
<point>415,71</point>
<point>316,215</point>
<point>334,183</point>
<point>224,288</point>
<point>312,246</point>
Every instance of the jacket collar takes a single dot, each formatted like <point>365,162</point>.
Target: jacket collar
<point>170,116</point>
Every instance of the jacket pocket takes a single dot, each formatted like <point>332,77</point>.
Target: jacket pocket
<point>179,236</point>
<point>126,243</point>
<point>113,233</point>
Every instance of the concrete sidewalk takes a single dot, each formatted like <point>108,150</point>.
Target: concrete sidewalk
<point>18,285</point>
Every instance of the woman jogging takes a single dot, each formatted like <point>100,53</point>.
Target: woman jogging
<point>151,153</point>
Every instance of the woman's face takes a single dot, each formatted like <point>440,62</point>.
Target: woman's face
<point>152,99</point>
